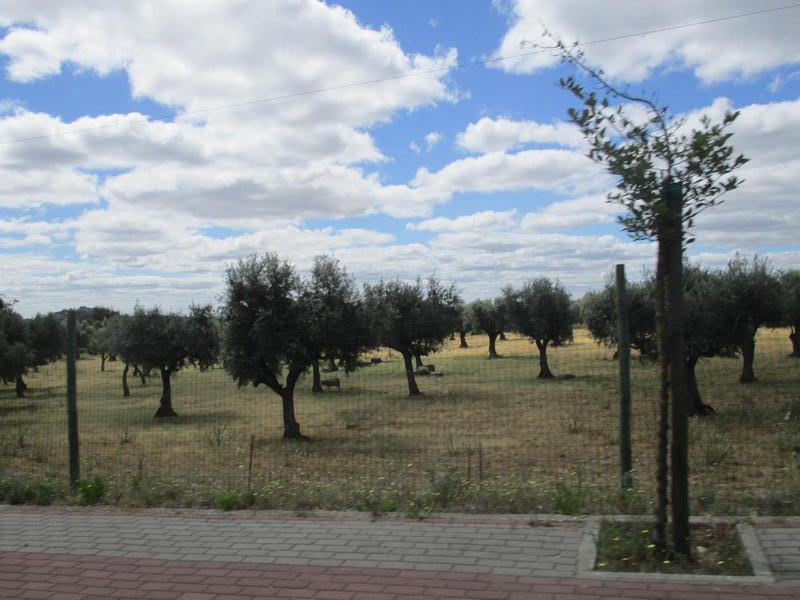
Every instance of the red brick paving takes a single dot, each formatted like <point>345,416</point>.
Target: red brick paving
<point>75,577</point>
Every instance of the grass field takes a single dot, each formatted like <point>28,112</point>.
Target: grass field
<point>484,437</point>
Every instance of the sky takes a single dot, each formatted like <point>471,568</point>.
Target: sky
<point>147,145</point>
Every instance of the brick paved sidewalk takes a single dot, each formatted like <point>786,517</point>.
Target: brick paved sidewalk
<point>81,554</point>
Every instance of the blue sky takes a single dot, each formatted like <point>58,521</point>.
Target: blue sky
<point>470,173</point>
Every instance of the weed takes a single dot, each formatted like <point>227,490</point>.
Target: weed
<point>569,500</point>
<point>92,491</point>
<point>226,499</point>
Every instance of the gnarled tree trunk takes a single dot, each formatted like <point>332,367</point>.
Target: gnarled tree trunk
<point>413,390</point>
<point>544,368</point>
<point>316,387</point>
<point>291,428</point>
<point>102,362</point>
<point>492,345</point>
<point>418,361</point>
<point>697,408</point>
<point>165,408</point>
<point>332,364</point>
<point>20,386</point>
<point>748,348</point>
<point>126,391</point>
<point>463,336</point>
<point>794,338</point>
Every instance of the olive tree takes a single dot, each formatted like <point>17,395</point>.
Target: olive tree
<point>599,313</point>
<point>750,297</point>
<point>489,316</point>
<point>341,329</point>
<point>16,354</point>
<point>169,342</point>
<point>790,292</point>
<point>275,326</point>
<point>47,338</point>
<point>411,318</point>
<point>541,310</point>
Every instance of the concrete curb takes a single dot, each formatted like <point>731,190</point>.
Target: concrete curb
<point>762,574</point>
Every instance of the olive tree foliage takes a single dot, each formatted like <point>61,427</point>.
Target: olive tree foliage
<point>47,337</point>
<point>412,318</point>
<point>541,310</point>
<point>666,176</point>
<point>169,342</point>
<point>489,317</point>
<point>16,354</point>
<point>599,313</point>
<point>340,327</point>
<point>751,298</point>
<point>790,292</point>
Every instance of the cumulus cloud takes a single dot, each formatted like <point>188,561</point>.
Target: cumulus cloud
<point>433,138</point>
<point>715,51</point>
<point>300,157</point>
<point>487,220</point>
<point>502,134</point>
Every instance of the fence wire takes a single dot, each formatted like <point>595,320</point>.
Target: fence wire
<point>485,436</point>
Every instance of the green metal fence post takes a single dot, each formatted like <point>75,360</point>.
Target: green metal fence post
<point>72,406</point>
<point>624,354</point>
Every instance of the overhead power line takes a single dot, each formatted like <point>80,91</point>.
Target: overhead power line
<point>333,88</point>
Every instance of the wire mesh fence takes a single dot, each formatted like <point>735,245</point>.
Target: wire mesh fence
<point>485,436</point>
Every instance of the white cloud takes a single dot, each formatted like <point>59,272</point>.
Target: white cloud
<point>567,214</point>
<point>432,138</point>
<point>300,157</point>
<point>502,134</point>
<point>715,52</point>
<point>487,220</point>
<point>414,146</point>
<point>561,171</point>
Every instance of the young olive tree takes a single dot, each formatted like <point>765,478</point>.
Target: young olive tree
<point>411,318</point>
<point>666,176</point>
<point>169,342</point>
<point>464,324</point>
<point>541,311</point>
<point>489,316</point>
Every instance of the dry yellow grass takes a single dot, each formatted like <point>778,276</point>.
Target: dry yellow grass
<point>537,445</point>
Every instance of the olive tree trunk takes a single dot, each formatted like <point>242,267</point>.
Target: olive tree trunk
<point>697,408</point>
<point>413,390</point>
<point>493,345</point>
<point>463,336</point>
<point>126,391</point>
<point>20,386</point>
<point>418,361</point>
<point>794,338</point>
<point>165,408</point>
<point>544,368</point>
<point>316,387</point>
<point>102,362</point>
<point>748,348</point>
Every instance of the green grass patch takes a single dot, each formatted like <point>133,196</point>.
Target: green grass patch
<point>629,547</point>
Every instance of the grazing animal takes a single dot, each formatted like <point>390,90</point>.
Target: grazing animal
<point>332,382</point>
<point>423,371</point>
